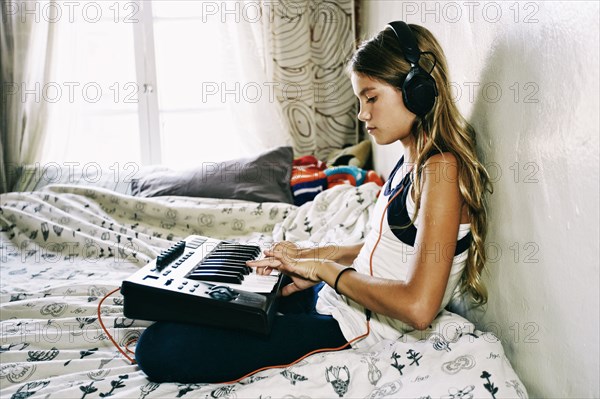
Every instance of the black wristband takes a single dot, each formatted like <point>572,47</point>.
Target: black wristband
<point>337,280</point>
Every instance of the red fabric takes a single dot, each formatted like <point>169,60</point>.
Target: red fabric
<point>309,160</point>
<point>308,171</point>
<point>372,176</point>
<point>340,178</point>
<point>303,175</point>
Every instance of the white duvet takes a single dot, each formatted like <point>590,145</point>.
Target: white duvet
<point>64,248</point>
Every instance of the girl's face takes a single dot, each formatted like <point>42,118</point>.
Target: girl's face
<point>383,111</point>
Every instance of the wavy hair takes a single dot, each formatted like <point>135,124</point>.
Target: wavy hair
<point>443,129</point>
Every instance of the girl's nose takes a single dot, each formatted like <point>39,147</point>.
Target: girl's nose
<point>363,115</point>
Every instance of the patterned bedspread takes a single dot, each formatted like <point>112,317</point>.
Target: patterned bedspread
<point>64,248</point>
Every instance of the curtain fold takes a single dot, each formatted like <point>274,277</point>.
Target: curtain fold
<point>289,60</point>
<point>25,48</point>
<point>309,44</point>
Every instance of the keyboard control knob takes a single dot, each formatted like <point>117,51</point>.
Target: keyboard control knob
<point>222,293</point>
<point>161,262</point>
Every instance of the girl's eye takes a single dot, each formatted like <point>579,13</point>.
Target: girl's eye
<point>371,100</point>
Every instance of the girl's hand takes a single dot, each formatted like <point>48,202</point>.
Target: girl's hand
<point>283,257</point>
<point>297,284</point>
<point>284,249</point>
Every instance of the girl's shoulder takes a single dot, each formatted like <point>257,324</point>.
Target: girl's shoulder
<point>436,156</point>
<point>440,166</point>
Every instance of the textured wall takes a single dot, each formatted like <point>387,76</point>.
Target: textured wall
<point>526,76</point>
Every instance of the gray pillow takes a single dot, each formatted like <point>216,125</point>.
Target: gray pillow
<point>264,178</point>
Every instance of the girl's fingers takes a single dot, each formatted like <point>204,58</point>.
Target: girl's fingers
<point>263,262</point>
<point>264,271</point>
<point>290,289</point>
<point>264,266</point>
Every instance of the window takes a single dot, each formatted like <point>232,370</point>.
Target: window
<point>189,65</point>
<point>93,106</point>
<point>134,78</point>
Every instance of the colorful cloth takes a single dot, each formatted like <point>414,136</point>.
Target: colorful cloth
<point>311,176</point>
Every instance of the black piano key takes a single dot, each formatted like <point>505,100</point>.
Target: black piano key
<point>230,256</point>
<point>241,265</point>
<point>234,250</point>
<point>239,249</point>
<point>213,269</point>
<point>228,268</point>
<point>232,268</point>
<point>225,244</point>
<point>216,277</point>
<point>227,255</point>
<point>218,271</point>
<point>225,262</point>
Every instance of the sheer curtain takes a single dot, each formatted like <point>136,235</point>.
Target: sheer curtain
<point>256,112</point>
<point>26,42</point>
<point>275,69</point>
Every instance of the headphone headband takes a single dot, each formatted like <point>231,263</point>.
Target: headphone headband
<point>419,89</point>
<point>407,41</point>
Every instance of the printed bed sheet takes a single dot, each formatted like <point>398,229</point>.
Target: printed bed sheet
<point>65,247</point>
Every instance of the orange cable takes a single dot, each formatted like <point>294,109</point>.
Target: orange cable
<point>381,227</point>
<point>352,340</point>
<point>129,343</point>
<point>282,365</point>
<point>106,331</point>
<point>301,358</point>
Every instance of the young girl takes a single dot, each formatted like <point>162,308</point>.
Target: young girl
<point>427,236</point>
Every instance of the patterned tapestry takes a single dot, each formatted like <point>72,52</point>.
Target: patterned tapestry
<point>310,44</point>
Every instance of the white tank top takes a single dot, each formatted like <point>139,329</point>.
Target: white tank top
<point>391,260</point>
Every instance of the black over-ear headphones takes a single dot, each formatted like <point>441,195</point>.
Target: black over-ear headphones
<point>419,89</point>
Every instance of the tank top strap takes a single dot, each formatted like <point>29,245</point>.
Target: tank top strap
<point>388,187</point>
<point>398,218</point>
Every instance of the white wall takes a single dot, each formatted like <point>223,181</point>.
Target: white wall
<point>539,138</point>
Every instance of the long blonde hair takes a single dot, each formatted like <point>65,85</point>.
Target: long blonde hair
<point>443,129</point>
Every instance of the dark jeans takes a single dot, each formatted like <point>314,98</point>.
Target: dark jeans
<point>186,353</point>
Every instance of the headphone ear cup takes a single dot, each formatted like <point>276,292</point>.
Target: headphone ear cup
<point>419,92</point>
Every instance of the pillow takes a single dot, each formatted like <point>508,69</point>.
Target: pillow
<point>35,177</point>
<point>264,178</point>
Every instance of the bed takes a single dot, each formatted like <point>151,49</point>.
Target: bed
<point>64,247</point>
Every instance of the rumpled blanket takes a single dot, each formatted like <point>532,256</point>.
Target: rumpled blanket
<point>64,248</point>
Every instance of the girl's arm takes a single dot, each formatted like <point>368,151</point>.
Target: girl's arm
<point>415,301</point>
<point>289,252</point>
<point>342,254</point>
